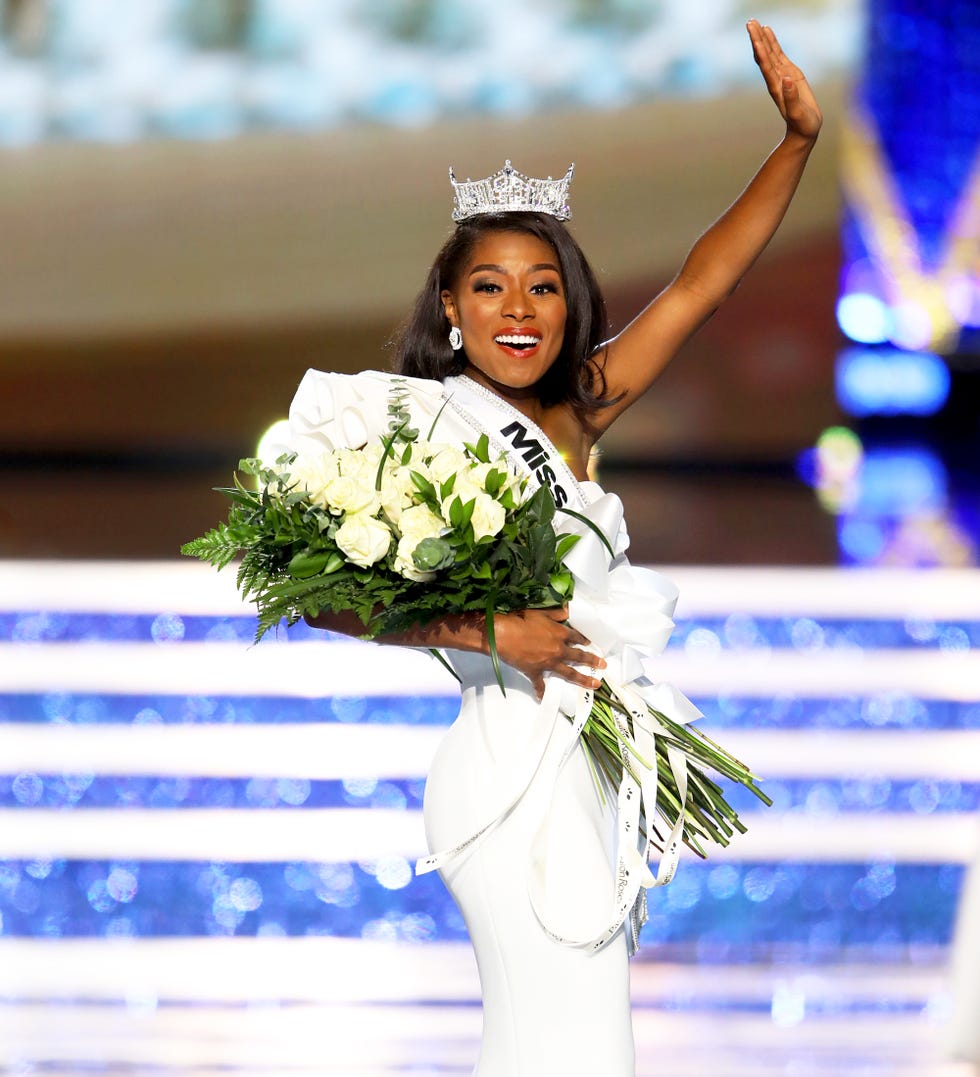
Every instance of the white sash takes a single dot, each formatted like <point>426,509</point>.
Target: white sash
<point>626,613</point>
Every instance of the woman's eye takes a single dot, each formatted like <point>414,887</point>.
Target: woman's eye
<point>486,286</point>
<point>544,288</point>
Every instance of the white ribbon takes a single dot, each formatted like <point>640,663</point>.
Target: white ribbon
<point>536,751</point>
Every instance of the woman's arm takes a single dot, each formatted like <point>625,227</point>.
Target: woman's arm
<point>721,257</point>
<point>534,642</point>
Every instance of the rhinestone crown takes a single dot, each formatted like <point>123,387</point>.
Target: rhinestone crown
<point>510,191</point>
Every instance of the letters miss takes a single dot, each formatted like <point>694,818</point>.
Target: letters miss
<point>536,456</point>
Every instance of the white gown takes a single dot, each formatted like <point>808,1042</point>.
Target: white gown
<point>550,1009</point>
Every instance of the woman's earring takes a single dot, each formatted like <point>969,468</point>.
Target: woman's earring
<point>455,338</point>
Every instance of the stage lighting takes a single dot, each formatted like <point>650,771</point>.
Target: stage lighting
<point>890,381</point>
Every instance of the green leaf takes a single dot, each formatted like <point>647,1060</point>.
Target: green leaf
<point>542,540</point>
<point>495,480</point>
<point>432,428</point>
<point>562,582</point>
<point>217,547</point>
<point>424,487</point>
<point>481,450</point>
<point>592,527</point>
<point>249,499</point>
<point>565,543</point>
<point>434,651</point>
<point>542,504</point>
<point>389,447</point>
<point>467,513</point>
<point>456,513</point>
<point>492,642</point>
<point>307,563</point>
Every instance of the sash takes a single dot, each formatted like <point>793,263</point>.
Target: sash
<point>626,613</point>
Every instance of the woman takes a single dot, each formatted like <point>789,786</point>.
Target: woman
<point>508,330</point>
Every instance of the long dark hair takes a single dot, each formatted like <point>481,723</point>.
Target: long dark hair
<point>422,343</point>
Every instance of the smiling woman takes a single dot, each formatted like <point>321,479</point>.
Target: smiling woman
<point>509,305</point>
<point>536,842</point>
<point>488,263</point>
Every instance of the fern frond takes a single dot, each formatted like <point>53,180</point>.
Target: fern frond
<point>217,547</point>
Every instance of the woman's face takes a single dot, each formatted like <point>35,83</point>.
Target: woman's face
<point>509,303</point>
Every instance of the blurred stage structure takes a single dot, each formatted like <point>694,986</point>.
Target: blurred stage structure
<point>910,287</point>
<point>206,847</point>
<point>187,231</point>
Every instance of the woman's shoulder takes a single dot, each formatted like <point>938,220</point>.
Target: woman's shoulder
<point>349,409</point>
<point>323,386</point>
<point>365,377</point>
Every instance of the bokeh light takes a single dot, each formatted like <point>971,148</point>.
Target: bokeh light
<point>274,442</point>
<point>889,381</point>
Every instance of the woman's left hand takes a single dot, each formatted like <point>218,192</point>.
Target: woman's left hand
<point>786,83</point>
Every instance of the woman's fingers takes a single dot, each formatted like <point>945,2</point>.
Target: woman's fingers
<point>574,636</point>
<point>560,616</point>
<point>584,680</point>
<point>761,44</point>
<point>541,642</point>
<point>579,657</point>
<point>785,82</point>
<point>558,613</point>
<point>764,49</point>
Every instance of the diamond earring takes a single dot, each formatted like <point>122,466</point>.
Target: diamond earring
<point>455,338</point>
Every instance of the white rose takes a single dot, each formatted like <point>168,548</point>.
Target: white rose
<point>488,516</point>
<point>371,455</point>
<point>397,492</point>
<point>420,522</point>
<point>313,473</point>
<point>420,450</point>
<point>404,564</point>
<point>512,480</point>
<point>477,474</point>
<point>466,490</point>
<point>353,464</point>
<point>403,476</point>
<point>447,461</point>
<point>352,494</point>
<point>362,539</point>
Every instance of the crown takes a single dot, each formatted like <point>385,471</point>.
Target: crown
<point>510,191</point>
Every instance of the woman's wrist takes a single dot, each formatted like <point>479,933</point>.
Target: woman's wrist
<point>799,142</point>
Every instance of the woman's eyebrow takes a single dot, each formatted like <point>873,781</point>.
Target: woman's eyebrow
<point>500,269</point>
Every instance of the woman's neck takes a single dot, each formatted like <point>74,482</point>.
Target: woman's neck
<point>524,399</point>
<point>559,424</point>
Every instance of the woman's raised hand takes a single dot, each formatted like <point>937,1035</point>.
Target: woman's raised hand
<point>786,83</point>
<point>538,642</point>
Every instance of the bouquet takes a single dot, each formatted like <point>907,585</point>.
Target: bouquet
<point>399,533</point>
<point>407,530</point>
